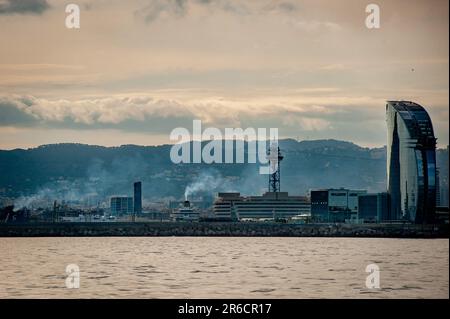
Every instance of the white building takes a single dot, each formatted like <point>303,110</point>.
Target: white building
<point>270,205</point>
<point>185,213</point>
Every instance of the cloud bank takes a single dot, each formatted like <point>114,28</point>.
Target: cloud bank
<point>307,117</point>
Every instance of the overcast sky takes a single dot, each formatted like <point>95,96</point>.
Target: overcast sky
<point>137,69</point>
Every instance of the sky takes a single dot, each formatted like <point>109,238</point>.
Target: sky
<point>137,69</point>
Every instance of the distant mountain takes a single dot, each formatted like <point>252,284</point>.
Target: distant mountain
<point>76,171</point>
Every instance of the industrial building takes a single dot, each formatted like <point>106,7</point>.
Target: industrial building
<point>373,208</point>
<point>411,162</point>
<point>271,205</point>
<point>121,205</point>
<point>334,205</point>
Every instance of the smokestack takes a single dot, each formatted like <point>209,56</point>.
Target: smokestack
<point>187,204</point>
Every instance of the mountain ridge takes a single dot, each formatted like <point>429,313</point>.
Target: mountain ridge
<point>74,170</point>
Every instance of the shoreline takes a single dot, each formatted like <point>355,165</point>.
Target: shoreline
<point>222,229</point>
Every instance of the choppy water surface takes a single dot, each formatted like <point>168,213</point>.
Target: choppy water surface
<point>211,267</point>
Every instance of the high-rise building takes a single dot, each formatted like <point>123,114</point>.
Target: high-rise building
<point>411,162</point>
<point>138,197</point>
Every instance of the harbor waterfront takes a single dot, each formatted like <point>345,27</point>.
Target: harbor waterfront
<point>237,229</point>
<point>223,267</point>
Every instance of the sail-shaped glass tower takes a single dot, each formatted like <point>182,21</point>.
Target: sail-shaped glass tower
<point>411,162</point>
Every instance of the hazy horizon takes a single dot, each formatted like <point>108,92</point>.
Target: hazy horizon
<point>442,147</point>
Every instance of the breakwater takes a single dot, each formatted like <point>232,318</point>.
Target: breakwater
<point>222,229</point>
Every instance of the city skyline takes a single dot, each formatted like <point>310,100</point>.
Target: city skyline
<point>224,155</point>
<point>135,71</point>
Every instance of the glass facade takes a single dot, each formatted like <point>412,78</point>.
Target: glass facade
<point>334,205</point>
<point>319,205</point>
<point>368,207</point>
<point>411,162</point>
<point>121,205</point>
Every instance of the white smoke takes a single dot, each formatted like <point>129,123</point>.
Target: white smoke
<point>204,182</point>
<point>43,195</point>
<point>99,182</point>
<point>65,191</point>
